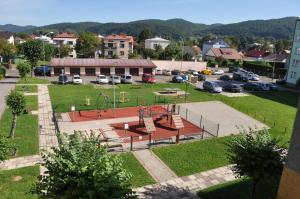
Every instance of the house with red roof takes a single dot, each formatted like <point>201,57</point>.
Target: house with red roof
<point>117,46</point>
<point>229,54</point>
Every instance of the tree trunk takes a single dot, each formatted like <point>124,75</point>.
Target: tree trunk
<point>254,188</point>
<point>13,126</point>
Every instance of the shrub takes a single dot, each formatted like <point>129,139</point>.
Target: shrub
<point>2,72</point>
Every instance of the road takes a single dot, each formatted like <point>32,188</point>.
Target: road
<point>5,86</point>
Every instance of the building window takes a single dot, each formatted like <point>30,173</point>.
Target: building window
<point>297,51</point>
<point>122,53</point>
<point>122,45</point>
<point>298,38</point>
<point>70,42</point>
<point>110,45</point>
<point>110,53</point>
<point>296,62</point>
<point>293,75</point>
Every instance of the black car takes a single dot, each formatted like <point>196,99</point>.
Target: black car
<point>226,78</point>
<point>281,81</point>
<point>233,88</point>
<point>251,86</point>
<point>240,77</point>
<point>233,69</point>
<point>175,72</point>
<point>201,77</point>
<point>63,79</point>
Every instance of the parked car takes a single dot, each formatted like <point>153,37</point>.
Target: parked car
<point>114,79</point>
<point>177,79</point>
<point>102,79</point>
<point>167,72</point>
<point>76,79</point>
<point>63,79</point>
<point>212,87</point>
<point>201,77</point>
<point>158,72</point>
<point>253,77</point>
<point>234,69</point>
<point>185,77</point>
<point>240,77</point>
<point>281,81</point>
<point>148,78</point>
<point>226,77</point>
<point>251,86</point>
<point>175,72</point>
<point>268,86</point>
<point>207,72</point>
<point>218,72</point>
<point>41,70</point>
<point>192,72</point>
<point>233,88</point>
<point>127,79</point>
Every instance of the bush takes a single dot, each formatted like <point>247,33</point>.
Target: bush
<point>2,72</point>
<point>212,63</point>
<point>5,148</point>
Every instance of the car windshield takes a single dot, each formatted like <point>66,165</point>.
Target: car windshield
<point>215,84</point>
<point>128,77</point>
<point>76,77</point>
<point>102,77</point>
<point>116,77</point>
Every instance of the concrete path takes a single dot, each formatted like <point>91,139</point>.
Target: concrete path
<point>186,187</point>
<point>6,85</point>
<point>20,162</point>
<point>156,168</point>
<point>47,137</point>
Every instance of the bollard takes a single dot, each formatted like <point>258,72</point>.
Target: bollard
<point>149,140</point>
<point>186,113</point>
<point>200,121</point>
<point>131,143</point>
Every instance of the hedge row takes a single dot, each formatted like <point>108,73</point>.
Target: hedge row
<point>2,72</point>
<point>266,67</point>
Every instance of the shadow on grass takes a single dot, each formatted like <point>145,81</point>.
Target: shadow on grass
<point>240,189</point>
<point>283,97</point>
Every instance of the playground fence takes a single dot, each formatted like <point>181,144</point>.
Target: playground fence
<point>199,120</point>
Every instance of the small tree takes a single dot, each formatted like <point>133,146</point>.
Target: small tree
<point>16,102</point>
<point>257,156</point>
<point>87,44</point>
<point>81,168</point>
<point>33,51</point>
<point>24,69</point>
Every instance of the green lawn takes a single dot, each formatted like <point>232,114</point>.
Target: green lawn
<point>140,175</point>
<point>34,80</point>
<point>240,189</point>
<point>27,88</point>
<point>18,189</point>
<point>26,137</point>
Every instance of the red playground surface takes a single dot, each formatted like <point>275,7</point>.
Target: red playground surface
<point>163,130</point>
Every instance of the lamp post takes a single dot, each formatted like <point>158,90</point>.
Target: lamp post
<point>182,42</point>
<point>45,53</point>
<point>114,89</point>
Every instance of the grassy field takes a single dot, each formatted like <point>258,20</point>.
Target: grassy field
<point>27,88</point>
<point>140,175</point>
<point>240,189</point>
<point>26,137</point>
<point>34,80</point>
<point>18,189</point>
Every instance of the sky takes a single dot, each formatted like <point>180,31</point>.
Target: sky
<point>44,12</point>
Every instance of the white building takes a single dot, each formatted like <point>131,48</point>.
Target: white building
<point>66,38</point>
<point>294,63</point>
<point>156,41</point>
<point>9,36</point>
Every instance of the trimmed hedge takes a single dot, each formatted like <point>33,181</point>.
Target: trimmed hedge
<point>2,72</point>
<point>266,67</point>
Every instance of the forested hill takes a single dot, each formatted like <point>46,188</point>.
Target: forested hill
<point>174,28</point>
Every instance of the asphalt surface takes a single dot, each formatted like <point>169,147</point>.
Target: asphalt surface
<point>6,86</point>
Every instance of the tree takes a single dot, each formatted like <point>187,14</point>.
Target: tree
<point>187,56</point>
<point>258,156</point>
<point>133,55</point>
<point>17,103</point>
<point>49,52</point>
<point>24,69</point>
<point>173,51</point>
<point>145,34</point>
<point>33,51</point>
<point>2,72</point>
<point>62,51</point>
<point>7,50</point>
<point>81,168</point>
<point>87,44</point>
<point>5,148</point>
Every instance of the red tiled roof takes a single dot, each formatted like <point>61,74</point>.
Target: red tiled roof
<point>226,53</point>
<point>87,62</point>
<point>119,37</point>
<point>256,53</point>
<point>66,35</point>
<point>5,34</point>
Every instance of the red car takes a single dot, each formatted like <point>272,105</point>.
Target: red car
<point>148,78</point>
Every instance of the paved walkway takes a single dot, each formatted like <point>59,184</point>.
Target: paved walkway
<point>186,187</point>
<point>47,138</point>
<point>20,162</point>
<point>156,168</point>
<point>6,85</point>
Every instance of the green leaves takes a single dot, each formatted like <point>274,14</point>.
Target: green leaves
<point>81,168</point>
<point>24,68</point>
<point>16,102</point>
<point>6,146</point>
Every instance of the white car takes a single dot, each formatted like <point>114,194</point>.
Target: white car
<point>76,79</point>
<point>218,72</point>
<point>158,72</point>
<point>102,79</point>
<point>126,79</point>
<point>114,79</point>
<point>167,72</point>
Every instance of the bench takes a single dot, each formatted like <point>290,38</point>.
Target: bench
<point>156,140</point>
<point>192,135</point>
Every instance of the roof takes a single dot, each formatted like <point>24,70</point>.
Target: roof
<point>72,62</point>
<point>276,57</point>
<point>65,35</point>
<point>226,53</point>
<point>5,34</point>
<point>216,41</point>
<point>256,53</point>
<point>157,39</point>
<point>119,37</point>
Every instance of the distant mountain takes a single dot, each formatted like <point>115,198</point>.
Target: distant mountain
<point>173,28</point>
<point>15,28</point>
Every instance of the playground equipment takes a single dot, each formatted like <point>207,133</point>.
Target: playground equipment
<point>103,103</point>
<point>123,97</point>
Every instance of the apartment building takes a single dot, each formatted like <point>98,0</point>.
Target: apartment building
<point>294,63</point>
<point>117,46</point>
<point>156,41</point>
<point>66,38</point>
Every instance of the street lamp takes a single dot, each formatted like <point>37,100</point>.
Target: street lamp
<point>114,89</point>
<point>45,53</point>
<point>182,42</point>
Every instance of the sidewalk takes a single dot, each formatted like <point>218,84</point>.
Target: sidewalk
<point>156,168</point>
<point>20,162</point>
<point>186,187</point>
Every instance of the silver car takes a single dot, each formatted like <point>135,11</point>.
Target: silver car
<point>114,79</point>
<point>126,79</point>
<point>212,87</point>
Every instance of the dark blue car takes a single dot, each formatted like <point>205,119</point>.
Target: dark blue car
<point>42,70</point>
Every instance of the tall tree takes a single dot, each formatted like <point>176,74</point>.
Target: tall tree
<point>49,52</point>
<point>62,51</point>
<point>257,156</point>
<point>7,50</point>
<point>24,69</point>
<point>145,34</point>
<point>87,44</point>
<point>173,51</point>
<point>81,168</point>
<point>16,102</point>
<point>33,51</point>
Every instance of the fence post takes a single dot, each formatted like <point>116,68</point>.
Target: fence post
<point>200,121</point>
<point>178,109</point>
<point>131,143</point>
<point>137,100</point>
<point>218,130</point>
<point>186,113</point>
<point>149,140</point>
